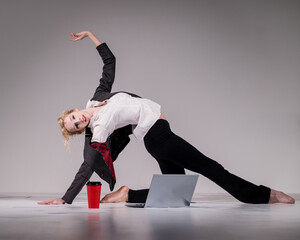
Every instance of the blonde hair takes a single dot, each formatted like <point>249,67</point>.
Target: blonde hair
<point>66,134</point>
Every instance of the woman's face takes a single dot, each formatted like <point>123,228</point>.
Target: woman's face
<point>77,120</point>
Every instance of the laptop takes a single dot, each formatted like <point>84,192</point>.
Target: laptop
<point>169,191</point>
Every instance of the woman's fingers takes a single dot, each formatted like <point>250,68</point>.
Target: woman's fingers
<point>76,36</point>
<point>45,202</point>
<point>52,202</point>
<point>74,39</point>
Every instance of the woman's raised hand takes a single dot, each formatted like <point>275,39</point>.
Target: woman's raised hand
<point>84,34</point>
<point>53,202</point>
<point>79,36</point>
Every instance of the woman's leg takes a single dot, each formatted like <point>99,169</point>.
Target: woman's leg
<point>167,167</point>
<point>173,152</point>
<point>162,143</point>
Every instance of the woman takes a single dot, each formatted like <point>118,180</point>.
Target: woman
<point>108,120</point>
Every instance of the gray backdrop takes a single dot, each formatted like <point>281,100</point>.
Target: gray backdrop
<point>225,72</point>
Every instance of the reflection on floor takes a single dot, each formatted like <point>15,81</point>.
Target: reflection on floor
<point>209,217</point>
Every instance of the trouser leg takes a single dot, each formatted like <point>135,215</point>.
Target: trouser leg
<point>167,167</point>
<point>137,196</point>
<point>187,156</point>
<point>162,143</point>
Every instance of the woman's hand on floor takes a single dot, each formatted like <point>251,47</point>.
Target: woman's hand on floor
<point>53,202</point>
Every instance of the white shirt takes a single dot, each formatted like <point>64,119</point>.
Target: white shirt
<point>122,110</point>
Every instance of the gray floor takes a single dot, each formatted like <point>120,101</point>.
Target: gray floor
<point>209,217</point>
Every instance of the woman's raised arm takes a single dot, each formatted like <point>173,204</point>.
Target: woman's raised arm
<point>84,34</point>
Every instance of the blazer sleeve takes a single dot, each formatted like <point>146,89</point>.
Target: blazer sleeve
<point>83,175</point>
<point>108,71</point>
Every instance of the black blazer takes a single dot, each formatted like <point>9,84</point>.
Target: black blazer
<point>117,141</point>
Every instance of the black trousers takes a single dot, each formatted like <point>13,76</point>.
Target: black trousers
<point>174,154</point>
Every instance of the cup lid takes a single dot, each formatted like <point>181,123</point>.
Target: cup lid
<point>93,183</point>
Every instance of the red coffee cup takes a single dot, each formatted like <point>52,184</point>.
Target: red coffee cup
<point>93,192</point>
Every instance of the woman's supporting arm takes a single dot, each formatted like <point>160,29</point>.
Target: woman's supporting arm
<point>83,175</point>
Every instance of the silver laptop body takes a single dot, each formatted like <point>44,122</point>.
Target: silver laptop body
<point>170,190</point>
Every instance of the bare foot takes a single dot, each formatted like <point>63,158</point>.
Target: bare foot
<point>280,197</point>
<point>120,195</point>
